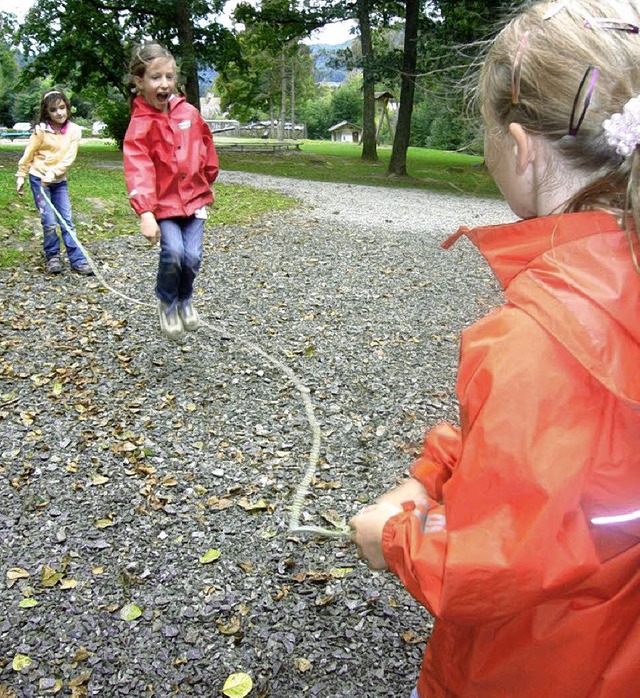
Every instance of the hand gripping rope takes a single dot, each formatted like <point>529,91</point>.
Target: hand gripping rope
<point>302,490</point>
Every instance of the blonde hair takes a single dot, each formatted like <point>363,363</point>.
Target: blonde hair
<point>535,80</point>
<point>141,56</point>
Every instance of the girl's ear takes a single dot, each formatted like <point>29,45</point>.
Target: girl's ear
<point>138,81</point>
<point>524,147</point>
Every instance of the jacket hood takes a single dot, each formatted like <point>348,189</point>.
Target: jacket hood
<point>574,274</point>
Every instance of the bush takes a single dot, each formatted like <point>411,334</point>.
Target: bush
<point>115,114</point>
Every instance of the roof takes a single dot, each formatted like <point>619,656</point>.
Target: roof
<point>345,124</point>
<point>384,94</point>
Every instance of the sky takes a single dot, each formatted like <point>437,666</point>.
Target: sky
<point>331,34</point>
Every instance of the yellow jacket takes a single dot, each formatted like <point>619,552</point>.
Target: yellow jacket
<point>50,153</point>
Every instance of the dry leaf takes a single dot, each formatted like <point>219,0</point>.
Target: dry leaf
<point>237,686</point>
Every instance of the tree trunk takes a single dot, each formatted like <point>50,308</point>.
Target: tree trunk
<point>283,96</point>
<point>293,99</point>
<point>369,151</point>
<point>189,67</point>
<point>398,161</point>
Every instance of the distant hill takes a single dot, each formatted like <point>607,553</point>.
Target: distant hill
<point>325,66</point>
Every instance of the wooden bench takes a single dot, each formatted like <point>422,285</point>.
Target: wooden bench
<point>258,147</point>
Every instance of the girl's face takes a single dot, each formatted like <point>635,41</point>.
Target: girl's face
<point>58,113</point>
<point>158,83</point>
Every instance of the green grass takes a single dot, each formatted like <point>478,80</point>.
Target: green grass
<point>99,201</point>
<point>101,209</point>
<point>325,161</point>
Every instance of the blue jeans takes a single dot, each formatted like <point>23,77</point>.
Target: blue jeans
<point>58,194</point>
<point>414,693</point>
<point>180,258</point>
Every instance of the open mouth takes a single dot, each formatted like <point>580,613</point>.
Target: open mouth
<point>162,97</point>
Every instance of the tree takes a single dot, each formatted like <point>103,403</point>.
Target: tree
<point>398,161</point>
<point>86,43</point>
<point>8,70</point>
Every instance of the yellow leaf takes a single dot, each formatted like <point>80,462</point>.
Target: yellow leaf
<point>210,556</point>
<point>230,628</point>
<point>14,574</point>
<point>49,576</point>
<point>302,664</point>
<point>97,479</point>
<point>57,389</point>
<point>130,612</point>
<point>340,572</point>
<point>28,603</point>
<point>237,686</point>
<point>103,523</point>
<point>68,583</point>
<point>22,661</point>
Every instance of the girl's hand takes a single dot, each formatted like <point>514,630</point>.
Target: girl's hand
<point>20,186</point>
<point>367,532</point>
<point>149,227</point>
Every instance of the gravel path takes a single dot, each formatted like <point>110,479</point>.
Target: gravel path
<point>126,458</point>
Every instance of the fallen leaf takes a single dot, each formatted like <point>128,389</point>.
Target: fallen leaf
<point>49,576</point>
<point>68,583</point>
<point>302,664</point>
<point>230,628</point>
<point>237,686</point>
<point>210,556</point>
<point>97,479</point>
<point>130,612</point>
<point>22,661</point>
<point>340,572</point>
<point>28,603</point>
<point>14,574</point>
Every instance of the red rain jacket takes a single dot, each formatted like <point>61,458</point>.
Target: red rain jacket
<point>534,595</point>
<point>170,161</point>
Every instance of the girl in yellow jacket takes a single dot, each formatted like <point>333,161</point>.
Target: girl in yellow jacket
<point>519,530</point>
<point>51,150</point>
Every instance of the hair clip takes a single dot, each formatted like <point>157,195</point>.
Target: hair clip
<point>51,92</point>
<point>592,72</point>
<point>611,25</point>
<point>517,67</point>
<point>555,8</point>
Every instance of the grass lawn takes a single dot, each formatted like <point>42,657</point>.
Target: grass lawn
<point>101,208</point>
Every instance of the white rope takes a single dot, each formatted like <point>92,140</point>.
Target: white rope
<point>302,489</point>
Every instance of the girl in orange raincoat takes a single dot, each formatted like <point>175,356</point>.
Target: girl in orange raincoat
<point>519,531</point>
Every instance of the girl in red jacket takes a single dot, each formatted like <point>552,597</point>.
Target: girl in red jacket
<point>170,163</point>
<point>520,530</point>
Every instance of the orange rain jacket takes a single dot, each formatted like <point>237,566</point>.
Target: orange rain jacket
<point>534,594</point>
<point>170,161</point>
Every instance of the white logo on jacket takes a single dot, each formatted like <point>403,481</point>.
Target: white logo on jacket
<point>184,124</point>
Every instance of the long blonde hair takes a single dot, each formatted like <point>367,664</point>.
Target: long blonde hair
<point>544,55</point>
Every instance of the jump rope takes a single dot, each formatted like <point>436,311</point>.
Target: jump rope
<point>295,528</point>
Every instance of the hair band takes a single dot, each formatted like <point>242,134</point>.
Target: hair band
<point>51,92</point>
<point>610,24</point>
<point>517,68</point>
<point>592,73</point>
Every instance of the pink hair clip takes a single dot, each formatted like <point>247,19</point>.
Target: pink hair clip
<point>610,24</point>
<point>517,67</point>
<point>590,72</point>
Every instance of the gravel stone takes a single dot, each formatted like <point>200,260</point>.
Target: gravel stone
<point>125,458</point>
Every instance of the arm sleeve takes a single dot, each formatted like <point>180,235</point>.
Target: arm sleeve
<point>35,141</point>
<point>440,454</point>
<point>510,531</point>
<point>211,167</point>
<point>139,171</point>
<point>67,159</point>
